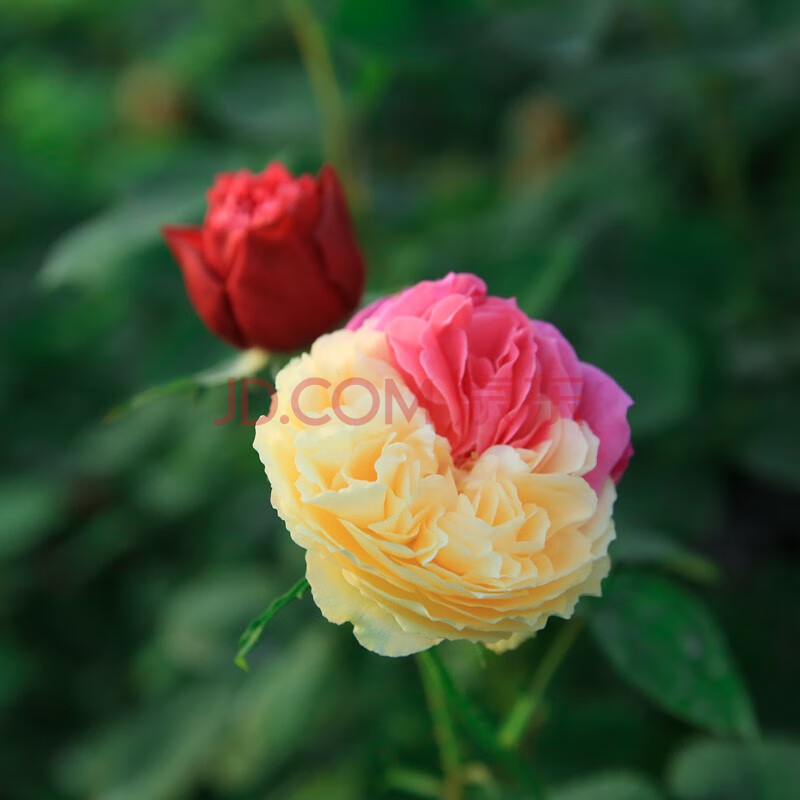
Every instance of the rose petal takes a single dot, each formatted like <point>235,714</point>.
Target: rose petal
<point>205,290</point>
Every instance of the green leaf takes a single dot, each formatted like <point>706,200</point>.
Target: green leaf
<point>413,782</point>
<point>665,642</point>
<point>713,770</point>
<point>200,618</point>
<point>88,255</point>
<point>157,752</point>
<point>608,786</point>
<point>280,709</point>
<point>29,508</point>
<point>340,782</point>
<point>253,632</point>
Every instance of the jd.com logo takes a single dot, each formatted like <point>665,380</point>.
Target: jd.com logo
<point>557,397</point>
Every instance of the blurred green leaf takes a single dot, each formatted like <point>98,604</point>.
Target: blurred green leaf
<point>342,782</point>
<point>157,754</point>
<point>712,770</point>
<point>654,361</point>
<point>118,444</point>
<point>417,784</point>
<point>191,465</point>
<point>272,713</point>
<point>89,255</point>
<point>665,643</point>
<point>641,546</point>
<point>204,616</point>
<point>29,508</point>
<point>608,786</point>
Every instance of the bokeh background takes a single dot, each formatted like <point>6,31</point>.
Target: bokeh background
<point>629,170</point>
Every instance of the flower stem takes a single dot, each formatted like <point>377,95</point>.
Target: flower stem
<point>519,718</point>
<point>482,731</point>
<point>443,727</point>
<point>313,47</point>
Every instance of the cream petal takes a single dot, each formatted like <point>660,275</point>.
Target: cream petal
<point>341,602</point>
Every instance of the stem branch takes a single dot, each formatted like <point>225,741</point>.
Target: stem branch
<point>519,718</point>
<point>482,731</point>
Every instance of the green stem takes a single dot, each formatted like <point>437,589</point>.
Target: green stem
<point>313,47</point>
<point>482,732</point>
<point>526,706</point>
<point>443,727</point>
<point>246,364</point>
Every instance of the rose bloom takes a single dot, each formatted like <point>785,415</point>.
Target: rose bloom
<point>449,466</point>
<point>275,263</point>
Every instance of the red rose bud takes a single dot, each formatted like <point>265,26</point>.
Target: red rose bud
<point>275,263</point>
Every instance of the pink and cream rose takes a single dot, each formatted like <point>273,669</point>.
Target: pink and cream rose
<point>463,482</point>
